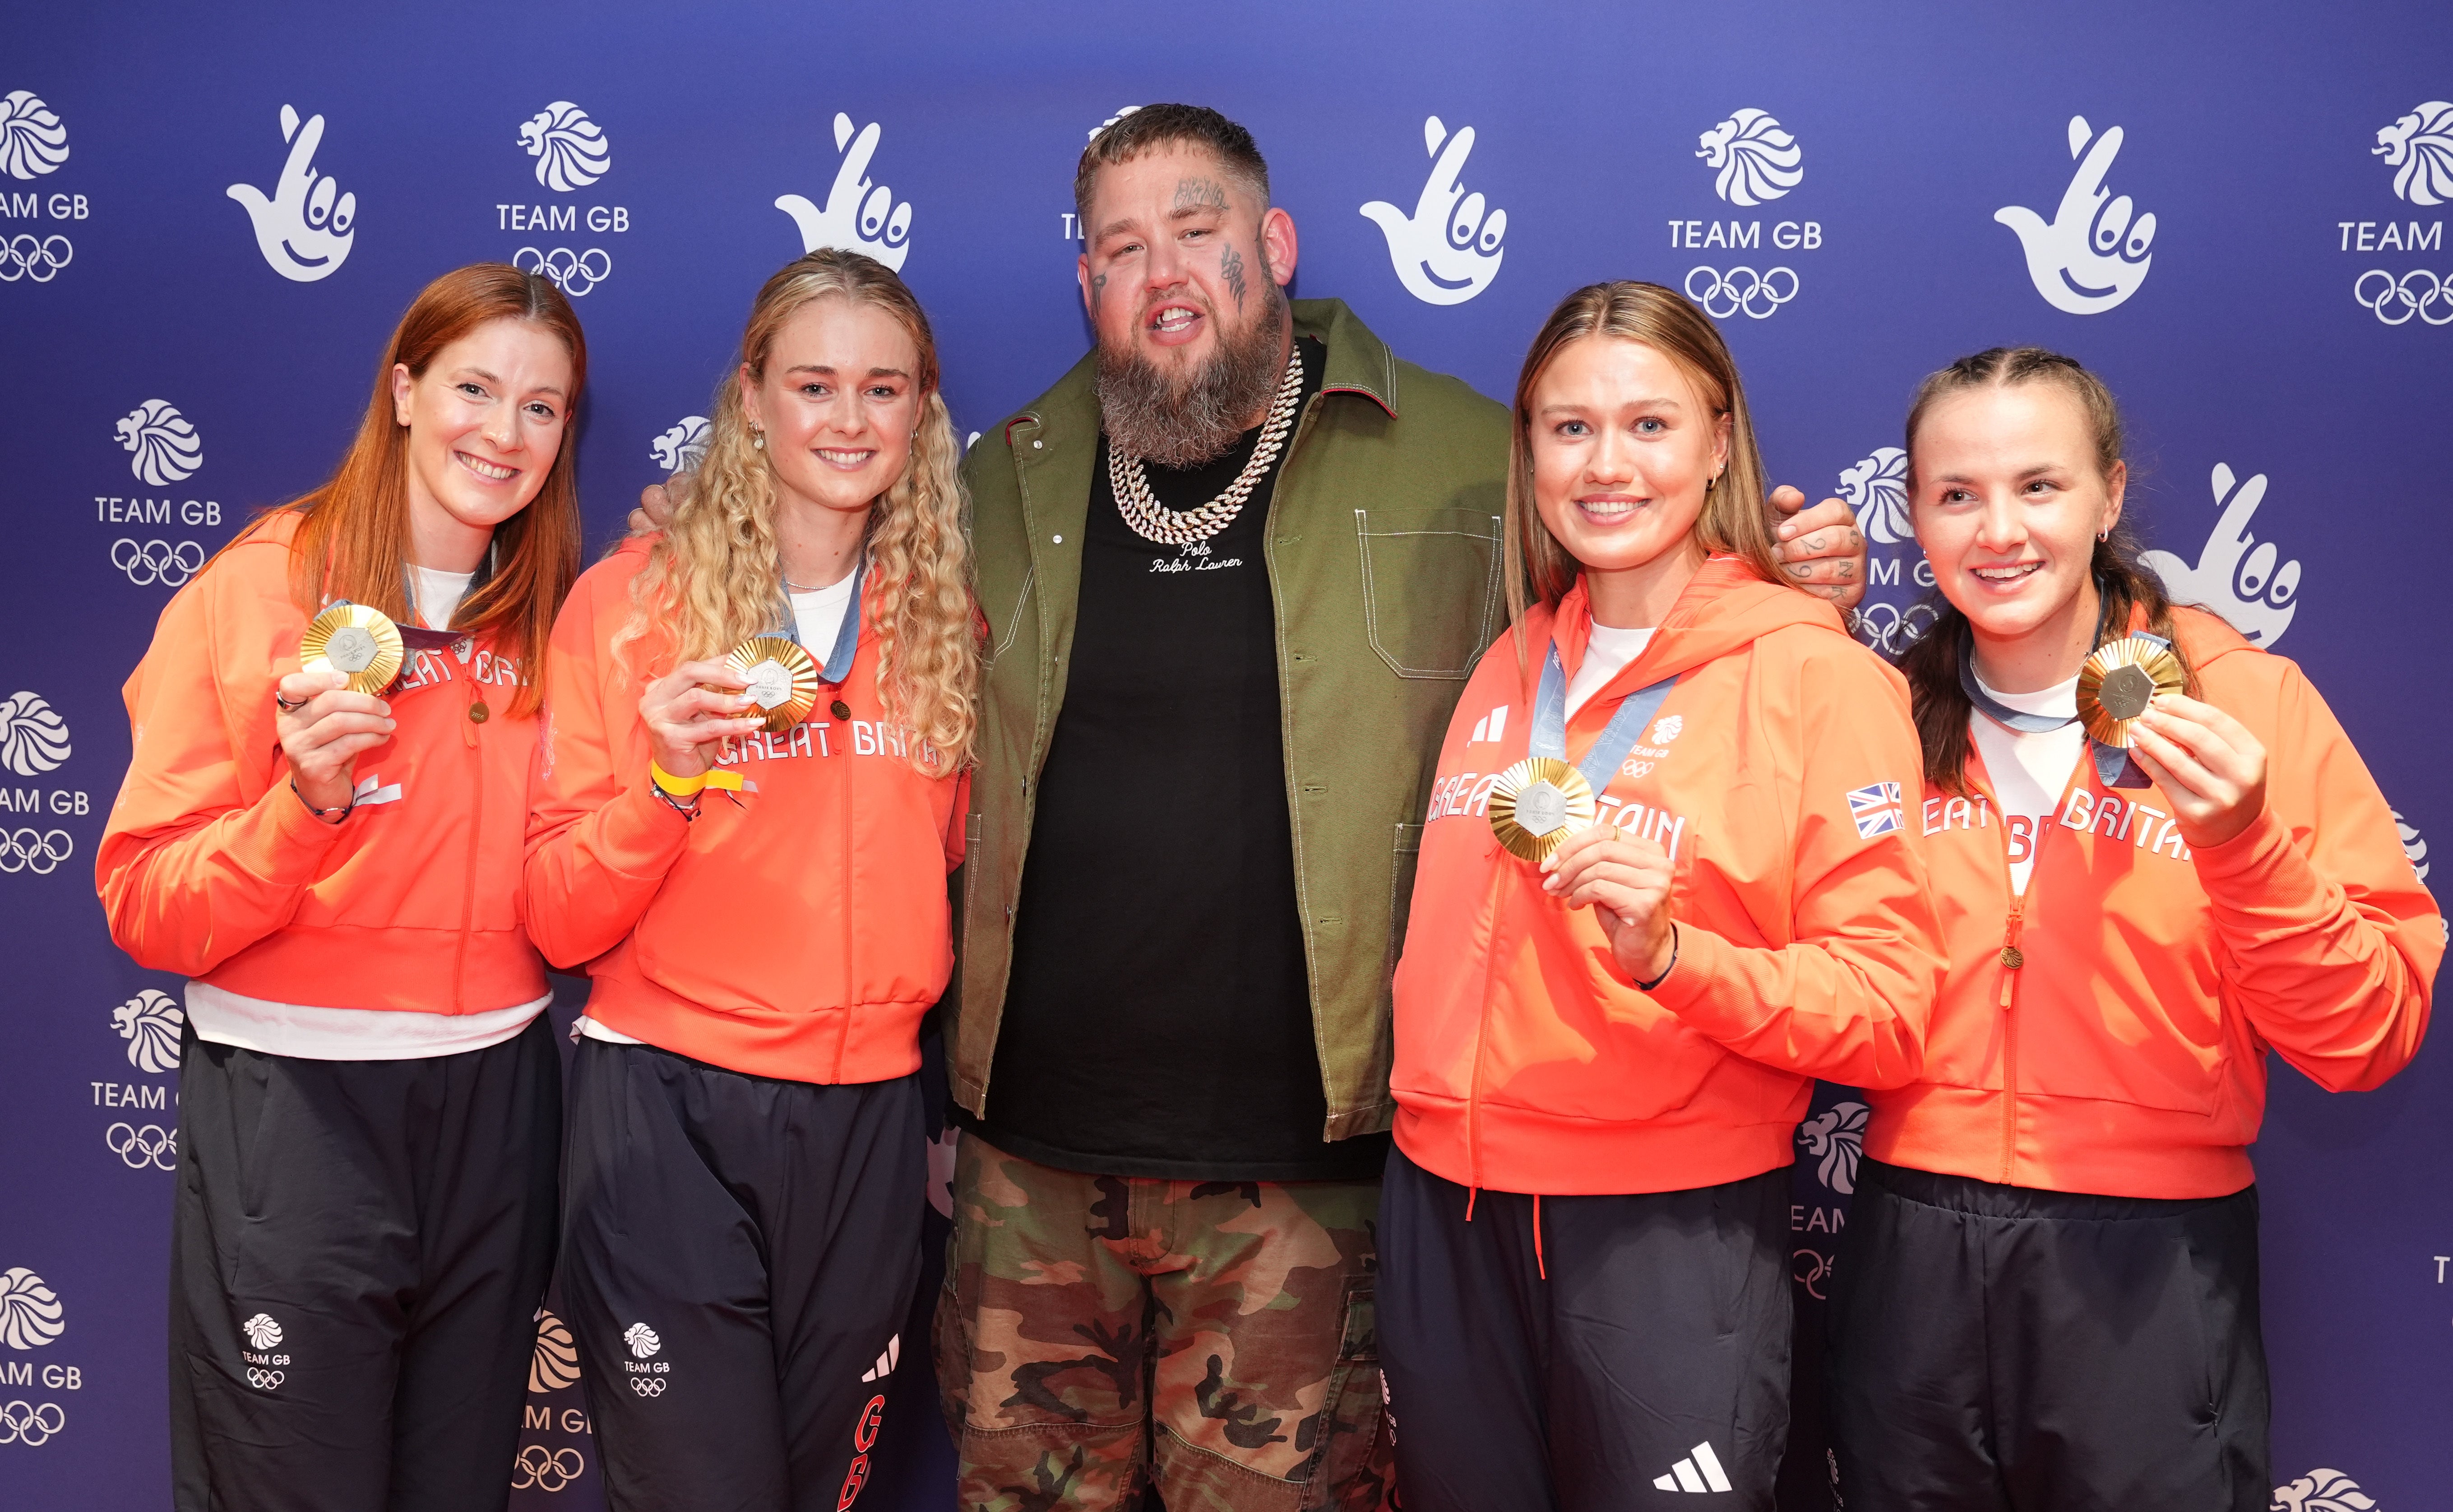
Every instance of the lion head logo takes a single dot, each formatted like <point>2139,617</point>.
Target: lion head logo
<point>682,446</point>
<point>570,149</point>
<point>1836,1139</point>
<point>2413,844</point>
<point>1877,489</point>
<point>2321,1491</point>
<point>151,1021</point>
<point>261,1330</point>
<point>33,738</point>
<point>163,448</point>
<point>555,1363</point>
<point>32,141</point>
<point>642,1339</point>
<point>1759,160</point>
<point>31,1314</point>
<point>2419,149</point>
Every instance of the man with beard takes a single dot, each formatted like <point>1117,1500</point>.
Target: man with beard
<point>1236,565</point>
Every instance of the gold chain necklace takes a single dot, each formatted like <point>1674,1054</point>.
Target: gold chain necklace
<point>1153,520</point>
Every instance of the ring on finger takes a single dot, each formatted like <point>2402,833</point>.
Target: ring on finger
<point>287,705</point>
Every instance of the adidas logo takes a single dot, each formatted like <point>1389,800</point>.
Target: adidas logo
<point>887,1361</point>
<point>1491,726</point>
<point>1700,1471</point>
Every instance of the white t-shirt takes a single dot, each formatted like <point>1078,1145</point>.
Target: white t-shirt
<point>820,616</point>
<point>439,595</point>
<point>2028,770</point>
<point>349,1034</point>
<point>1606,655</point>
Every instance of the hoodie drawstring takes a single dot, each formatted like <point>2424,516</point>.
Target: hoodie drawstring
<point>1540,1265</point>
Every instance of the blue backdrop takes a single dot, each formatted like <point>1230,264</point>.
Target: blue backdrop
<point>211,217</point>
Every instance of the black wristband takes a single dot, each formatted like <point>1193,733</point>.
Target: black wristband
<point>689,811</point>
<point>327,816</point>
<point>1646,987</point>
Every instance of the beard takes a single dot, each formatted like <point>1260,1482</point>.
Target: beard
<point>1185,422</point>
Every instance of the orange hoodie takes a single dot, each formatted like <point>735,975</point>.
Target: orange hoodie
<point>210,867</point>
<point>799,933</point>
<point>1807,940</point>
<point>2156,977</point>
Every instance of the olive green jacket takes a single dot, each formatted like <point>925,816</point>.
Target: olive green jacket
<point>1384,558</point>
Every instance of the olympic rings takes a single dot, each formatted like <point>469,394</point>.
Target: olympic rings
<point>139,1148</point>
<point>31,1425</point>
<point>153,562</point>
<point>539,1470</point>
<point>36,258</point>
<point>1888,628</point>
<point>2395,300</point>
<point>647,1386</point>
<point>1811,1275</point>
<point>576,273</point>
<point>37,852</point>
<point>263,1379</point>
<point>1741,289</point>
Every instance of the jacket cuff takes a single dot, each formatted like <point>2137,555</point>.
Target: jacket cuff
<point>643,835</point>
<point>281,842</point>
<point>1706,993</point>
<point>2249,858</point>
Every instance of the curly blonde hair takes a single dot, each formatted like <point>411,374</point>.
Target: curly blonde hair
<point>715,577</point>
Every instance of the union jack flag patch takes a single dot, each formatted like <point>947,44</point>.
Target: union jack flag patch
<point>1876,809</point>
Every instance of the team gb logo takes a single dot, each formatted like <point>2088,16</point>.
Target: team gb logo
<point>32,139</point>
<point>570,149</point>
<point>162,443</point>
<point>1448,249</point>
<point>682,446</point>
<point>2321,1491</point>
<point>151,1021</point>
<point>642,1339</point>
<point>1759,161</point>
<point>31,1314</point>
<point>33,738</point>
<point>2092,255</point>
<point>2419,149</point>
<point>261,1332</point>
<point>1835,1138</point>
<point>1877,489</point>
<point>859,215</point>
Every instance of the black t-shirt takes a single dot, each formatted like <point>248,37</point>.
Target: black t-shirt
<point>1158,1019</point>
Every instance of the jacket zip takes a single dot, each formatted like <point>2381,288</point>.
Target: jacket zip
<point>469,887</point>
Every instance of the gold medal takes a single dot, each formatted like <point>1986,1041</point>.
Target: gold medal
<point>2117,683</point>
<point>1537,804</point>
<point>781,680</point>
<point>356,640</point>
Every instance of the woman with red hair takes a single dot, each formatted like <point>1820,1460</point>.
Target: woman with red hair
<point>330,850</point>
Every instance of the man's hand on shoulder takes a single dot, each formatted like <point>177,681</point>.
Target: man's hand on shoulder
<point>658,501</point>
<point>1821,549</point>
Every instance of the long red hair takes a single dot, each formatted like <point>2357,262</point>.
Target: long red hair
<point>352,540</point>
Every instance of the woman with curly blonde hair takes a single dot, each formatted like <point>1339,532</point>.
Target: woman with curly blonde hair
<point>748,850</point>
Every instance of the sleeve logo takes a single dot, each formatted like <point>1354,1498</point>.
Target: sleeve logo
<point>1876,809</point>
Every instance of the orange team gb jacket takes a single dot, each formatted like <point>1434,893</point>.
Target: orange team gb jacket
<point>800,933</point>
<point>2127,1057</point>
<point>1808,946</point>
<point>210,867</point>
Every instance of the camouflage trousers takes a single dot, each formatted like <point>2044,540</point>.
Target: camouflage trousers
<point>1214,1339</point>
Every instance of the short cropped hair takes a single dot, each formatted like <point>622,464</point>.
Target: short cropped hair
<point>1156,126</point>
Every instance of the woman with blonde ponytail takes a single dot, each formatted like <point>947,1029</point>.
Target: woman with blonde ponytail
<point>762,911</point>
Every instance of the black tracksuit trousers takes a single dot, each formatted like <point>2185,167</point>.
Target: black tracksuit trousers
<point>1649,1364</point>
<point>2004,1349</point>
<point>739,1255</point>
<point>358,1249</point>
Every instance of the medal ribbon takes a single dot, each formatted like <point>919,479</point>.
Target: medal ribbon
<point>1549,733</point>
<point>2113,766</point>
<point>838,663</point>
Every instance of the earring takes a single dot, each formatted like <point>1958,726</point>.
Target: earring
<point>2105,534</point>
<point>758,438</point>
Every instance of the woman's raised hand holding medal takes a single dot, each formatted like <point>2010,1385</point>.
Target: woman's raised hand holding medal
<point>689,723</point>
<point>2207,764</point>
<point>323,727</point>
<point>1624,879</point>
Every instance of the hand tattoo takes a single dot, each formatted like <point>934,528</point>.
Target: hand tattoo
<point>1230,268</point>
<point>1199,193</point>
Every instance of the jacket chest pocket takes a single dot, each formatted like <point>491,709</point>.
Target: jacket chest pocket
<point>1430,587</point>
